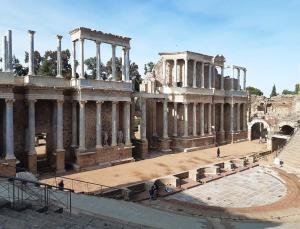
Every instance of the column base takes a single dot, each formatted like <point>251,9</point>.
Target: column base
<point>220,138</point>
<point>60,161</point>
<point>8,167</point>
<point>164,144</point>
<point>10,157</point>
<point>32,163</point>
<point>140,149</point>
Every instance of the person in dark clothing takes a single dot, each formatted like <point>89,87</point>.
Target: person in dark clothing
<point>151,192</point>
<point>218,152</point>
<point>61,185</point>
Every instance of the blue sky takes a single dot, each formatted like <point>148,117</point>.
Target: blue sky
<point>262,35</point>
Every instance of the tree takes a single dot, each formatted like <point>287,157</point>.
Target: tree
<point>254,91</point>
<point>118,63</point>
<point>148,67</point>
<point>135,76</point>
<point>91,66</point>
<point>288,92</point>
<point>36,59</point>
<point>273,93</point>
<point>18,69</point>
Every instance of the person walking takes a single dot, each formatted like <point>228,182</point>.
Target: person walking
<point>218,152</point>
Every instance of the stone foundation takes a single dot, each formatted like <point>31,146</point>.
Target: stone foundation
<point>220,138</point>
<point>183,144</point>
<point>8,167</point>
<point>164,144</point>
<point>60,161</point>
<point>31,161</point>
<point>140,149</point>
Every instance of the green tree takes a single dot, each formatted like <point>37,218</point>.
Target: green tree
<point>148,67</point>
<point>118,63</point>
<point>254,91</point>
<point>135,76</point>
<point>273,93</point>
<point>37,59</point>
<point>288,92</point>
<point>18,69</point>
<point>91,66</point>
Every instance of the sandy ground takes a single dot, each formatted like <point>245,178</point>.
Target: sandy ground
<point>164,165</point>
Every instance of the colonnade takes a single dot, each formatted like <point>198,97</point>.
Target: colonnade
<point>238,70</point>
<point>7,52</point>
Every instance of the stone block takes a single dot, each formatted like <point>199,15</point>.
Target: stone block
<point>31,160</point>
<point>164,145</point>
<point>8,167</point>
<point>212,169</point>
<point>228,165</point>
<point>170,180</point>
<point>60,161</point>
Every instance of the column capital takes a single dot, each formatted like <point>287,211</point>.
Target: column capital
<point>31,100</point>
<point>31,32</point>
<point>99,101</point>
<point>98,43</point>
<point>113,46</point>
<point>114,102</point>
<point>59,37</point>
<point>10,101</point>
<point>82,102</point>
<point>60,101</point>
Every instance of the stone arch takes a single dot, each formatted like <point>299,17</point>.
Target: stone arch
<point>256,121</point>
<point>287,127</point>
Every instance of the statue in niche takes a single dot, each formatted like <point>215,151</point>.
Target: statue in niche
<point>105,138</point>
<point>120,137</point>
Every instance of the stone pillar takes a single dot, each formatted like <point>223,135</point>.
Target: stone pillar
<point>59,61</point>
<point>213,117</point>
<point>239,78</point>
<point>213,77</point>
<point>31,53</point>
<point>209,76</point>
<point>175,120</point>
<point>113,62</point>
<point>31,126</point>
<point>222,78</point>
<point>74,124</point>
<point>222,117</point>
<point>186,120</point>
<point>81,73</point>
<point>132,111</point>
<point>73,59</point>
<point>82,125</point>
<point>98,60</point>
<point>9,130</point>
<point>164,72</point>
<point>127,64</point>
<point>143,119</point>
<point>114,123</point>
<point>194,74</point>
<point>244,86</point>
<point>195,119</point>
<point>202,119</point>
<point>202,75</point>
<point>209,119</point>
<point>238,121</point>
<point>232,80</point>
<point>165,118</point>
<point>4,54</point>
<point>9,51</point>
<point>59,126</point>
<point>185,78</point>
<point>154,118</point>
<point>98,125</point>
<point>124,78</point>
<point>126,123</point>
<point>232,117</point>
<point>245,116</point>
<point>175,73</point>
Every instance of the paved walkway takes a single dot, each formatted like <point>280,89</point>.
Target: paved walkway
<point>163,165</point>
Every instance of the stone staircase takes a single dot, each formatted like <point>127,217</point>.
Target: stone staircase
<point>290,155</point>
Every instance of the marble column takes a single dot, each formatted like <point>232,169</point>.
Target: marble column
<point>244,86</point>
<point>195,119</point>
<point>209,119</point>
<point>245,116</point>
<point>99,124</point>
<point>4,54</point>
<point>213,117</point>
<point>9,130</point>
<point>31,126</point>
<point>185,78</point>
<point>98,60</point>
<point>202,119</point>
<point>143,128</point>
<point>202,75</point>
<point>59,125</point>
<point>175,73</point>
<point>81,73</point>
<point>154,132</point>
<point>74,124</point>
<point>194,74</point>
<point>73,59</point>
<point>209,76</point>
<point>164,72</point>
<point>59,60</point>
<point>124,65</point>
<point>126,123</point>
<point>82,125</point>
<point>232,80</point>
<point>222,78</point>
<point>186,119</point>
<point>222,117</point>
<point>213,76</point>
<point>31,53</point>
<point>232,117</point>
<point>113,62</point>
<point>175,119</point>
<point>239,78</point>
<point>127,64</point>
<point>132,111</point>
<point>114,123</point>
<point>238,121</point>
<point>165,118</point>
<point>9,51</point>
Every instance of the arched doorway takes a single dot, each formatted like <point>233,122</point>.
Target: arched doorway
<point>258,128</point>
<point>286,130</point>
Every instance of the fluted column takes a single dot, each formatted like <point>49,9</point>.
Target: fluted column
<point>232,80</point>
<point>143,128</point>
<point>244,86</point>
<point>213,77</point>
<point>195,119</point>
<point>175,73</point>
<point>238,121</point>
<point>186,120</point>
<point>154,132</point>
<point>185,78</point>
<point>59,125</point>
<point>209,119</point>
<point>164,72</point>
<point>175,119</point>
<point>73,59</point>
<point>114,123</point>
<point>222,117</point>
<point>113,62</point>
<point>59,61</point>
<point>126,123</point>
<point>31,53</point>
<point>239,78</point>
<point>4,54</point>
<point>231,117</point>
<point>127,64</point>
<point>202,119</point>
<point>98,60</point>
<point>165,118</point>
<point>124,78</point>
<point>209,76</point>
<point>31,126</point>
<point>9,135</point>
<point>202,75</point>
<point>194,74</point>
<point>9,51</point>
<point>82,125</point>
<point>213,117</point>
<point>74,124</point>
<point>81,73</point>
<point>245,116</point>
<point>99,124</point>
<point>222,78</point>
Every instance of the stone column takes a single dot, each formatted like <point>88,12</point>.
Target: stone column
<point>186,120</point>
<point>31,53</point>
<point>165,118</point>
<point>127,64</point>
<point>126,123</point>
<point>213,117</point>
<point>98,60</point>
<point>244,86</point>
<point>124,65</point>
<point>31,126</point>
<point>222,78</point>
<point>59,126</point>
<point>245,117</point>
<point>164,72</point>
<point>4,54</point>
<point>202,75</point>
<point>232,80</point>
<point>175,73</point>
<point>82,125</point>
<point>232,117</point>
<point>74,124</point>
<point>194,74</point>
<point>114,123</point>
<point>81,73</point>
<point>99,124</point>
<point>113,62</point>
<point>213,77</point>
<point>202,119</point>
<point>143,128</point>
<point>185,78</point>
<point>132,111</point>
<point>209,76</point>
<point>222,117</point>
<point>59,61</point>
<point>154,118</point>
<point>175,120</point>
<point>238,78</point>
<point>195,119</point>
<point>209,119</point>
<point>238,121</point>
<point>73,59</point>
<point>9,51</point>
<point>9,130</point>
